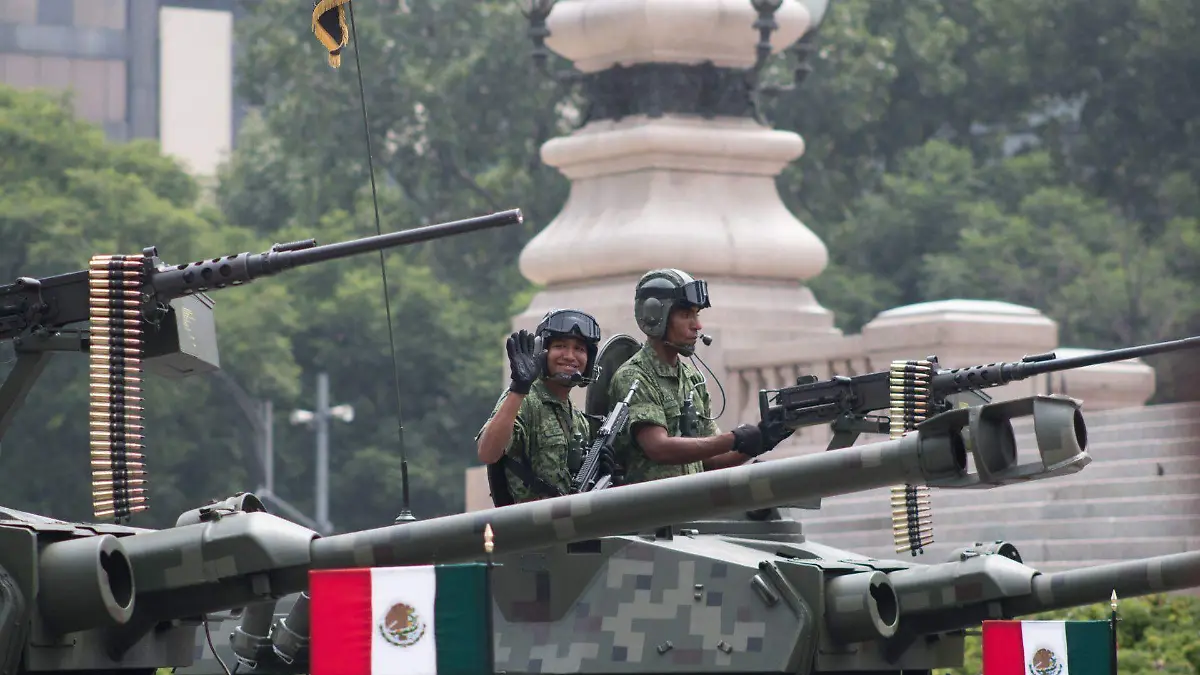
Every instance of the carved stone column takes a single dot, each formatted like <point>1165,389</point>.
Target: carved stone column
<point>673,169</point>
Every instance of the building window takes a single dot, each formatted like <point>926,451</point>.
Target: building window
<point>100,14</point>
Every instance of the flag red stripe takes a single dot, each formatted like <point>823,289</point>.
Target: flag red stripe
<point>340,622</point>
<point>1003,649</point>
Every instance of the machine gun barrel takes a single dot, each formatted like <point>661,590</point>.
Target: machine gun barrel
<point>995,374</point>
<point>178,280</point>
<point>61,300</point>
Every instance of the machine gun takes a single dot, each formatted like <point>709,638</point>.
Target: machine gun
<point>912,392</point>
<point>143,312</point>
<point>915,390</point>
<point>613,425</point>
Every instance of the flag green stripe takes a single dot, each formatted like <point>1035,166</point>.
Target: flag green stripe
<point>462,620</point>
<point>1089,647</point>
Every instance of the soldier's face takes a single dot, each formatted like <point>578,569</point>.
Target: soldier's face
<point>684,325</point>
<point>567,355</point>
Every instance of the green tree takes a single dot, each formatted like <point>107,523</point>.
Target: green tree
<point>66,194</point>
<point>1156,634</point>
<point>1040,153</point>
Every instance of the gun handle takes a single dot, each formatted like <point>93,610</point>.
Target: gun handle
<point>762,404</point>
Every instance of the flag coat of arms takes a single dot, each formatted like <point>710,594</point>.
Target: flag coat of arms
<point>419,620</point>
<point>1047,648</point>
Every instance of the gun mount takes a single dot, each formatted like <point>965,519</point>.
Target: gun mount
<point>143,312</point>
<point>912,392</point>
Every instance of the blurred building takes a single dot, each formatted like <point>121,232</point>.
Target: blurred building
<point>138,68</point>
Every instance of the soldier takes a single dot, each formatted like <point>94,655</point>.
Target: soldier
<point>671,431</point>
<point>534,439</point>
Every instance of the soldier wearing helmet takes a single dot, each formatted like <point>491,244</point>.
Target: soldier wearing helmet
<point>671,431</point>
<point>534,439</point>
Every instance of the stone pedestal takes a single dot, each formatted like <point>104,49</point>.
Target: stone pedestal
<point>675,172</point>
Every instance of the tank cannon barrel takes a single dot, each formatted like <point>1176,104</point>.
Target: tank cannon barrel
<point>222,558</point>
<point>992,585</point>
<point>917,458</point>
<point>1088,585</point>
<point>84,583</point>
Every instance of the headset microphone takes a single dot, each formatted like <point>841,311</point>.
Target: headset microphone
<point>706,339</point>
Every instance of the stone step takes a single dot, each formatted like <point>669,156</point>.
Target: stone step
<point>1041,553</point>
<point>1121,548</point>
<point>1053,489</point>
<point>1013,511</point>
<point>1116,451</point>
<point>1109,435</point>
<point>1122,441</point>
<point>1152,413</point>
<point>1049,529</point>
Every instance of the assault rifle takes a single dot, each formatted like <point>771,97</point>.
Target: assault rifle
<point>587,478</point>
<point>913,391</point>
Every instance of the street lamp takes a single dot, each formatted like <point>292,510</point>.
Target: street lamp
<point>536,12</point>
<point>319,421</point>
<point>818,10</point>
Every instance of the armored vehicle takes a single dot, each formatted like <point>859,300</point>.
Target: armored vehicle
<point>692,574</point>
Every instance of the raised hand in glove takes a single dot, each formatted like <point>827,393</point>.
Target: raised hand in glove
<point>525,361</point>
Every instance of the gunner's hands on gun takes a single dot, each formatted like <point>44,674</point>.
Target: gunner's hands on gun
<point>755,439</point>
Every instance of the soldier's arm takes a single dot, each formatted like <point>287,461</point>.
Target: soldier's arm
<point>725,460</point>
<point>497,435</point>
<point>709,427</point>
<point>664,449</point>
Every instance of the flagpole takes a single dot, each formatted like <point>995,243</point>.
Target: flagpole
<point>488,546</point>
<point>1113,629</point>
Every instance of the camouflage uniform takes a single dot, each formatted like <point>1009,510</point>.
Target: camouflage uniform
<point>658,400</point>
<point>538,439</point>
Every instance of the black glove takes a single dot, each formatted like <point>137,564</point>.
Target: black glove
<point>525,361</point>
<point>773,433</point>
<point>607,464</point>
<point>747,439</point>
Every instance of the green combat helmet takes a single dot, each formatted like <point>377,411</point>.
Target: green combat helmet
<point>560,323</point>
<point>660,291</point>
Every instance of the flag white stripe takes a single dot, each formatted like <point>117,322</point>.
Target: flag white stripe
<point>1051,635</point>
<point>417,588</point>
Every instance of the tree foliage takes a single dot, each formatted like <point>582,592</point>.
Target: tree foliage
<point>1039,153</point>
<point>1156,635</point>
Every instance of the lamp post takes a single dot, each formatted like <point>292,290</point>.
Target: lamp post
<point>535,12</point>
<point>319,421</point>
<point>261,416</point>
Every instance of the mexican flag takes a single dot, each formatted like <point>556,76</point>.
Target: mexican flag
<point>420,620</point>
<point>1047,648</point>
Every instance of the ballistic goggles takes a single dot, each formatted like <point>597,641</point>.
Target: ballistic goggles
<point>694,292</point>
<point>571,322</point>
